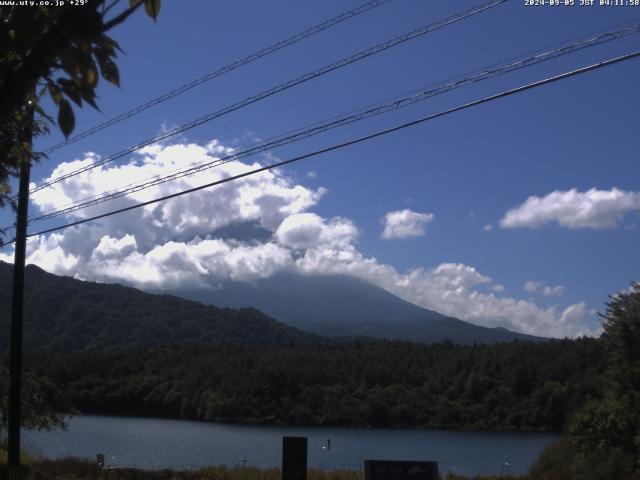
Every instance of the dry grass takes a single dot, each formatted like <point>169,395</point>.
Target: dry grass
<point>77,469</point>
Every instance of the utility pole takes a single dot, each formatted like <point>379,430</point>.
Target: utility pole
<point>17,303</point>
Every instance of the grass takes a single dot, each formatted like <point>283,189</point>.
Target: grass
<point>25,458</point>
<point>77,469</point>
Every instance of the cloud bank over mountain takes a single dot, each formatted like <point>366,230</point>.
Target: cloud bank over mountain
<point>185,242</point>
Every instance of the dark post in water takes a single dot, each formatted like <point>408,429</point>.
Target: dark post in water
<point>294,458</point>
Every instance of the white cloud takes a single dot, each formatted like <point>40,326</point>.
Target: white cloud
<point>554,291</point>
<point>573,209</point>
<point>308,230</point>
<point>266,198</point>
<point>180,243</point>
<point>487,228</point>
<point>532,286</point>
<point>6,256</point>
<point>114,248</point>
<point>546,290</point>
<point>574,316</point>
<point>405,223</point>
<point>47,253</point>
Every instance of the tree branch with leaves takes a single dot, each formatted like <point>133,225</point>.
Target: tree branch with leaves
<point>58,52</point>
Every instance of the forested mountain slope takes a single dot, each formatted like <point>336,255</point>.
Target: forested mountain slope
<point>63,314</point>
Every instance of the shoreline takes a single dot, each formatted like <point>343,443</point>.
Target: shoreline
<point>150,443</point>
<point>341,426</point>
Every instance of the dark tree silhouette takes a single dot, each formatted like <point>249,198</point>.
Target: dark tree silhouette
<point>611,423</point>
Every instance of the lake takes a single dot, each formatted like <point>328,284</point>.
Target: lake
<point>157,443</point>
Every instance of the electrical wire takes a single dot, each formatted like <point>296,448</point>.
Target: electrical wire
<point>221,71</point>
<point>354,141</point>
<point>284,86</point>
<point>372,110</point>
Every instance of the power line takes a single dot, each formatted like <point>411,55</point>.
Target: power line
<point>284,86</point>
<point>326,69</point>
<point>380,133</point>
<point>390,105</point>
<point>223,70</point>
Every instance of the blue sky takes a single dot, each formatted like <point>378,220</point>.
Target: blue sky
<point>461,173</point>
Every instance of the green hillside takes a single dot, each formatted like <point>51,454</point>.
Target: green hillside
<point>63,314</point>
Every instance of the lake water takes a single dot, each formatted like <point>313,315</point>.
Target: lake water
<point>156,443</point>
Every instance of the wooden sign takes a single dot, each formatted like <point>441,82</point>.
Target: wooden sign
<point>400,470</point>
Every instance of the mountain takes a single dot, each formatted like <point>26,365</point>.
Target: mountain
<point>64,314</point>
<point>346,306</point>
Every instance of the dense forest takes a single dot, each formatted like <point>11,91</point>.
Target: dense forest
<point>532,386</point>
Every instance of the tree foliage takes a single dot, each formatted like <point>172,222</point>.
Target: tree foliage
<point>603,440</point>
<point>610,423</point>
<point>622,338</point>
<point>43,404</point>
<point>360,383</point>
<point>60,52</point>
